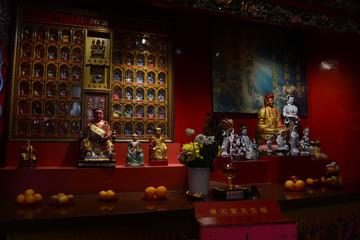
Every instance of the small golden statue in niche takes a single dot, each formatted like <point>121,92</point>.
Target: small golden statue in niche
<point>27,156</point>
<point>158,150</point>
<point>97,49</point>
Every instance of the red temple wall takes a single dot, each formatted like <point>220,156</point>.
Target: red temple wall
<point>333,98</point>
<point>333,110</point>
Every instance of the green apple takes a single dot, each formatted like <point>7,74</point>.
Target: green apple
<point>63,199</point>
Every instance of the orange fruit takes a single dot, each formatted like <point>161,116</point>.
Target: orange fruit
<point>299,184</point>
<point>161,191</point>
<point>310,181</point>
<point>29,192</point>
<point>102,194</point>
<point>54,198</point>
<point>29,199</point>
<point>290,184</point>
<point>150,191</point>
<point>20,199</point>
<point>38,197</point>
<point>110,193</point>
<point>323,179</point>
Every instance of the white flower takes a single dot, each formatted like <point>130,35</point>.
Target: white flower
<point>201,139</point>
<point>190,132</point>
<point>210,140</point>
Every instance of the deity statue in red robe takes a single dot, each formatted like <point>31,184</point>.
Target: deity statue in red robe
<point>97,138</point>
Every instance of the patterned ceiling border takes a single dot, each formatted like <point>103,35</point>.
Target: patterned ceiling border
<point>347,5</point>
<point>271,12</point>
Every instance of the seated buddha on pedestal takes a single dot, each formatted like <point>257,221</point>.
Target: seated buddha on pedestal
<point>269,120</point>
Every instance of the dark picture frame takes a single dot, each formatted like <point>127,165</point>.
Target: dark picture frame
<point>94,100</point>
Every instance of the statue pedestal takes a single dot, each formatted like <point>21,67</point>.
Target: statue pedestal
<point>27,164</point>
<point>158,162</point>
<point>96,163</point>
<point>236,193</point>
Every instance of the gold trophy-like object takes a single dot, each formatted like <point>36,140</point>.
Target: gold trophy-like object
<point>231,191</point>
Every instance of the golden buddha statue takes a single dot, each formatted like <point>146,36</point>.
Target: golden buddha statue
<point>157,146</point>
<point>27,156</point>
<point>27,152</point>
<point>269,119</point>
<point>319,154</point>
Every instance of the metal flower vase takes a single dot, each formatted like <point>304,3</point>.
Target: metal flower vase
<point>198,180</point>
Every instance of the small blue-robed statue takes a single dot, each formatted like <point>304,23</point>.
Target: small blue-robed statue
<point>135,155</point>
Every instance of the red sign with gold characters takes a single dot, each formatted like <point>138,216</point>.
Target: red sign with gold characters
<point>243,220</point>
<point>54,17</point>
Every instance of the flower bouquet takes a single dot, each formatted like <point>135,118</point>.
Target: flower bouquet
<point>203,150</point>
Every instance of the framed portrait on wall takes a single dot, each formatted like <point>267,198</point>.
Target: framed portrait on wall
<point>252,60</point>
<point>93,100</point>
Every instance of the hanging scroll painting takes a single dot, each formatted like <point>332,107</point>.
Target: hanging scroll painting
<point>252,60</point>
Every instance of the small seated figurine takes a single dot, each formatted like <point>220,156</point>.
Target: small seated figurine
<point>269,120</point>
<point>27,156</point>
<point>97,142</point>
<point>294,142</point>
<point>282,148</point>
<point>318,151</point>
<point>269,148</point>
<point>128,95</point>
<point>255,150</point>
<point>246,143</point>
<point>307,147</point>
<point>228,137</point>
<point>135,155</point>
<point>139,96</point>
<point>235,149</point>
<point>116,77</point>
<point>158,147</point>
<point>150,96</point>
<point>128,112</point>
<point>75,109</point>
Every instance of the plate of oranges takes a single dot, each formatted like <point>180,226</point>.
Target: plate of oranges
<point>108,195</point>
<point>294,184</point>
<point>62,199</point>
<point>154,194</point>
<point>29,197</point>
